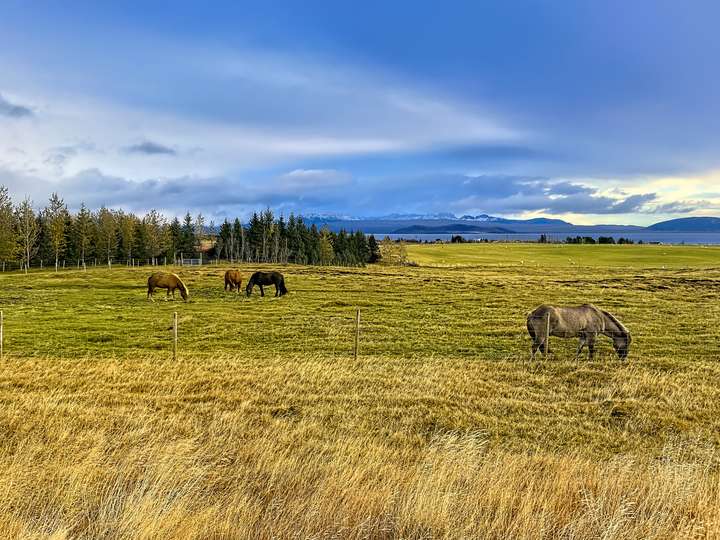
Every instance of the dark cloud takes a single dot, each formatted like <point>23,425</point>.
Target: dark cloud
<point>12,110</point>
<point>568,188</point>
<point>150,148</point>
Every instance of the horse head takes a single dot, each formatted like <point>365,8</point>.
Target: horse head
<point>619,334</point>
<point>621,344</point>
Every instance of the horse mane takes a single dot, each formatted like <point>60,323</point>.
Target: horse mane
<point>180,281</point>
<point>621,326</point>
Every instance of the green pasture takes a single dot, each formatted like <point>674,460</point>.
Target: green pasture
<point>461,301</point>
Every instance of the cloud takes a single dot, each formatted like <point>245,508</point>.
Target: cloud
<point>150,148</point>
<point>59,156</point>
<point>335,191</point>
<point>314,178</point>
<point>214,196</point>
<point>500,194</point>
<point>12,110</point>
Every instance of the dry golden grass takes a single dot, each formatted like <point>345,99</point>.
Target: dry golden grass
<point>299,447</point>
<point>267,427</point>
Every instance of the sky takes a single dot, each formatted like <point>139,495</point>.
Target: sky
<point>594,112</point>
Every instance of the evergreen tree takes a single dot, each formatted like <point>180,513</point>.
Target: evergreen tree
<point>70,253</point>
<point>107,233</point>
<point>255,237</point>
<point>223,240</point>
<point>268,228</point>
<point>174,239</point>
<point>44,251</point>
<point>8,234</point>
<point>326,251</point>
<point>127,228</point>
<point>82,234</point>
<point>311,238</point>
<point>373,250</point>
<point>238,241</point>
<point>54,218</point>
<point>360,248</point>
<point>187,236</point>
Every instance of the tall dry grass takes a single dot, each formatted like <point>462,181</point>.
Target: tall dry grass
<point>303,448</point>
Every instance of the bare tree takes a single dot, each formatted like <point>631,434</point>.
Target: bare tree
<point>199,233</point>
<point>230,249</point>
<point>28,231</point>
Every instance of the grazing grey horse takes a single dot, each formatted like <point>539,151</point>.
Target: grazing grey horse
<point>584,322</point>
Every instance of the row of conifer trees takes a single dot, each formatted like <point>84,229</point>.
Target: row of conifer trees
<point>55,236</point>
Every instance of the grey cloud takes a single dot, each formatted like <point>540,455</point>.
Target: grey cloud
<point>502,194</point>
<point>13,110</point>
<point>684,207</point>
<point>58,156</point>
<point>329,190</point>
<point>213,196</point>
<point>150,148</point>
<point>568,188</point>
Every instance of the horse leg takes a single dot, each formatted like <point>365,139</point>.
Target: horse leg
<point>581,345</point>
<point>262,291</point>
<point>150,294</point>
<point>534,348</point>
<point>543,345</point>
<point>277,290</point>
<point>591,346</point>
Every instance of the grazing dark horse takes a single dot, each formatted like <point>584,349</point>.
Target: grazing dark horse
<point>585,322</point>
<point>162,280</point>
<point>233,280</point>
<point>267,278</point>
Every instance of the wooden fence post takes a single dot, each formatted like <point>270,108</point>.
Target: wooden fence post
<point>357,334</point>
<point>175,334</point>
<point>547,334</point>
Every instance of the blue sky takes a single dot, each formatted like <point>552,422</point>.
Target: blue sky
<point>595,112</point>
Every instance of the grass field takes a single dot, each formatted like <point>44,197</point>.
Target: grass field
<point>266,425</point>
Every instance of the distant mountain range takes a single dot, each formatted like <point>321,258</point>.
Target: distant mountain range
<point>453,228</point>
<point>692,224</point>
<point>413,224</point>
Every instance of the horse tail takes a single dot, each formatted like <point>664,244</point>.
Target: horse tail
<point>531,329</point>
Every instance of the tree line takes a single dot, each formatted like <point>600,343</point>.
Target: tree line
<point>54,236</point>
<point>600,240</point>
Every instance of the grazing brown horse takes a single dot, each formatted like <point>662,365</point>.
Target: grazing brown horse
<point>585,322</point>
<point>162,280</point>
<point>267,278</point>
<point>233,280</point>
